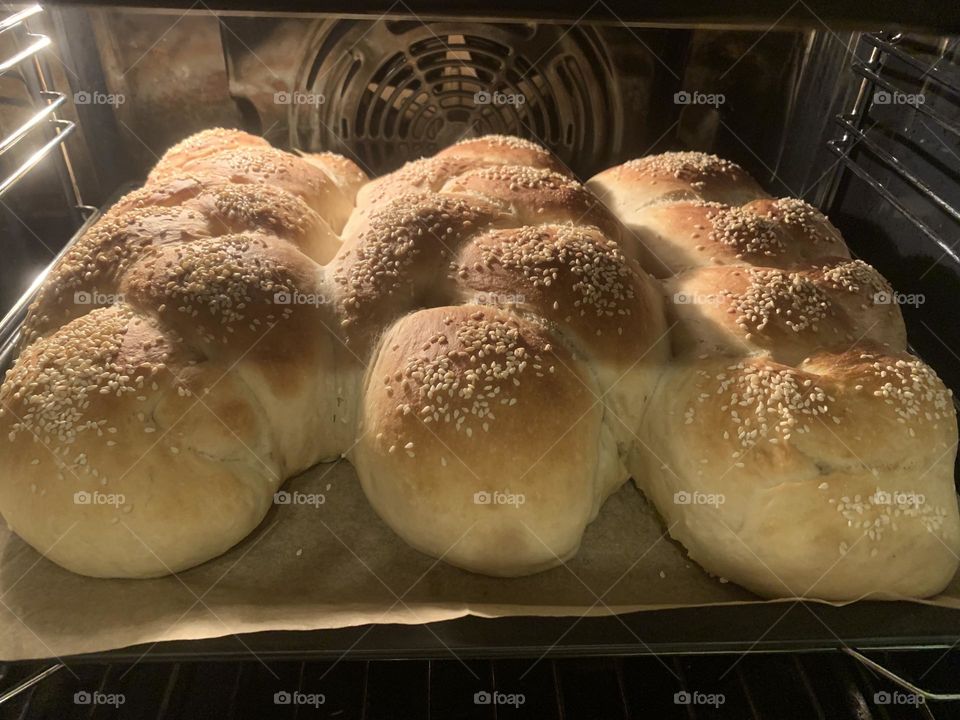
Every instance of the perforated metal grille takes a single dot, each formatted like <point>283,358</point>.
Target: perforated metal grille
<point>398,90</point>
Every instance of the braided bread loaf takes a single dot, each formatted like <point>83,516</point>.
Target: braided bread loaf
<point>477,334</point>
<point>793,445</point>
<point>166,384</point>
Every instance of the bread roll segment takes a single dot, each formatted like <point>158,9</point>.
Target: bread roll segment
<point>149,427</point>
<point>833,480</point>
<point>456,453</point>
<point>113,467</point>
<point>792,445</point>
<point>734,310</point>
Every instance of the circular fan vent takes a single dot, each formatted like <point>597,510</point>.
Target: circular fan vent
<point>395,91</point>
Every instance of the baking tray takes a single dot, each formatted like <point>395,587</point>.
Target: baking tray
<point>776,626</point>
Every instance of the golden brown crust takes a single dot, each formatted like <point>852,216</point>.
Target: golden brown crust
<point>394,259</point>
<point>177,211</point>
<point>266,165</point>
<point>670,177</point>
<point>505,149</point>
<point>784,234</point>
<point>569,275</point>
<point>790,315</point>
<point>537,195</point>
<point>417,176</point>
<point>448,385</point>
<point>202,145</point>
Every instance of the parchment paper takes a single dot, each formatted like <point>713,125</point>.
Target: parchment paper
<point>336,564</point>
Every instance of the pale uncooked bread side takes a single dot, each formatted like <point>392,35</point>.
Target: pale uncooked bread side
<point>833,480</point>
<point>735,310</point>
<point>106,442</point>
<point>192,398</point>
<point>456,452</point>
<point>343,171</point>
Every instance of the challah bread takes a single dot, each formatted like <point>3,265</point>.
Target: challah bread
<point>456,453</point>
<point>129,403</point>
<point>504,150</point>
<point>235,158</point>
<point>785,233</point>
<point>156,430</point>
<point>735,310</point>
<point>486,347</point>
<point>671,177</point>
<point>833,480</point>
<point>792,446</point>
<point>574,317</point>
<point>180,209</point>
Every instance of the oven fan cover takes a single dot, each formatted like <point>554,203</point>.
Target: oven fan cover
<point>396,91</point>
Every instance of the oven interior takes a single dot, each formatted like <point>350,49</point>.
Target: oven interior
<point>865,125</point>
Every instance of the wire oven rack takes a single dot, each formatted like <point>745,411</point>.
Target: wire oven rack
<point>782,687</point>
<point>877,88</point>
<point>28,63</point>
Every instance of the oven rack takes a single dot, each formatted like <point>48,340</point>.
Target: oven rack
<point>780,687</point>
<point>45,122</point>
<point>856,137</point>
